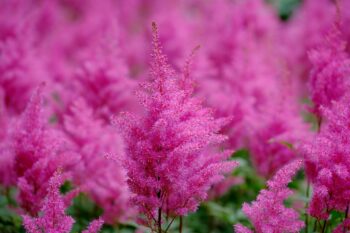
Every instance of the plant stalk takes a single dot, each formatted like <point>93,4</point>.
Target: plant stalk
<point>180,226</point>
<point>160,220</point>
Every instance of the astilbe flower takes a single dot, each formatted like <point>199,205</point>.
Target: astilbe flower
<point>102,78</point>
<point>69,28</point>
<point>94,226</point>
<point>228,77</point>
<point>268,213</point>
<point>327,164</point>
<point>169,161</point>
<point>329,77</point>
<point>223,186</point>
<point>345,15</point>
<point>53,218</point>
<point>225,32</point>
<point>303,32</point>
<point>102,179</point>
<point>89,62</point>
<point>256,98</point>
<point>7,174</point>
<point>277,135</point>
<point>345,225</point>
<point>20,66</point>
<point>38,151</point>
<point>272,118</point>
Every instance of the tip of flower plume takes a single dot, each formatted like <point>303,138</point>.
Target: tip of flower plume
<point>338,10</point>
<point>186,82</point>
<point>285,174</point>
<point>190,57</point>
<point>195,49</point>
<point>155,34</point>
<point>94,226</point>
<point>154,27</point>
<point>241,229</point>
<point>57,179</point>
<point>115,120</point>
<point>32,116</point>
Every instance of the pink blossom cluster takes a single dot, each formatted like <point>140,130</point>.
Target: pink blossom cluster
<point>172,160</point>
<point>268,213</point>
<point>38,153</point>
<point>54,219</point>
<point>326,162</point>
<point>47,132</point>
<point>94,140</point>
<point>330,70</point>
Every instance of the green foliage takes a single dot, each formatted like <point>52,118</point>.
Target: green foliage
<point>66,187</point>
<point>285,7</point>
<point>84,210</point>
<point>220,214</point>
<point>10,222</point>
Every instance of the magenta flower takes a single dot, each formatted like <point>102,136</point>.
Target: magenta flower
<point>327,164</point>
<point>102,179</point>
<point>329,77</point>
<point>21,67</point>
<point>38,152</point>
<point>102,78</point>
<point>53,218</point>
<point>230,85</point>
<point>171,161</point>
<point>94,226</point>
<point>268,213</point>
<point>304,32</point>
<point>7,173</point>
<point>277,136</point>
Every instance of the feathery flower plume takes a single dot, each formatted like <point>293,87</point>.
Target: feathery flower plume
<point>277,135</point>
<point>268,213</point>
<point>38,152</point>
<point>102,78</point>
<point>94,226</point>
<point>327,162</point>
<point>7,173</point>
<point>330,74</point>
<point>171,162</point>
<point>21,67</point>
<point>53,219</point>
<point>104,180</point>
<point>303,32</point>
<point>229,85</point>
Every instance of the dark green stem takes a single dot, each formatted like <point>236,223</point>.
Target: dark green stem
<point>160,220</point>
<point>306,207</point>
<point>346,216</point>
<point>324,226</point>
<point>180,227</point>
<point>166,230</point>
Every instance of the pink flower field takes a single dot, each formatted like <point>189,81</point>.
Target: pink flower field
<point>174,116</point>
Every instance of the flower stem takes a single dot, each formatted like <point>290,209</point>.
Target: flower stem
<point>324,226</point>
<point>306,206</point>
<point>345,217</point>
<point>160,220</point>
<point>180,227</point>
